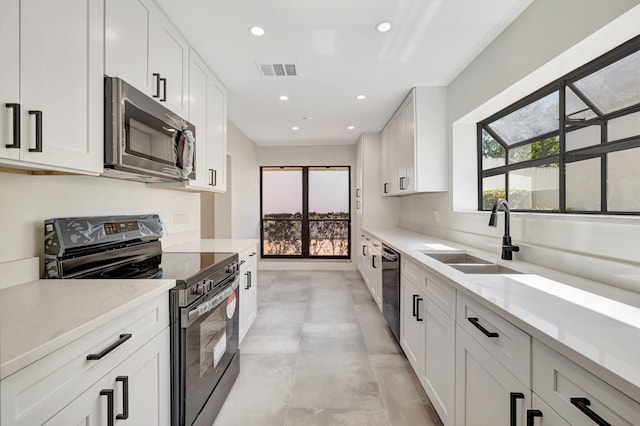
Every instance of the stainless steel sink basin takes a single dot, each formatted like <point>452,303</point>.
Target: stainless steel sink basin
<point>484,269</point>
<point>450,258</point>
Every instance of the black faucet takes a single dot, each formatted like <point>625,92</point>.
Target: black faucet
<point>507,247</point>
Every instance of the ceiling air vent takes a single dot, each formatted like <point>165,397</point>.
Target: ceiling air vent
<point>280,70</point>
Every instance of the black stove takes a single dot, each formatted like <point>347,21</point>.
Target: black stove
<point>204,304</point>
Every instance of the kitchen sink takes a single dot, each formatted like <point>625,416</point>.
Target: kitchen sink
<point>457,258</point>
<point>491,268</point>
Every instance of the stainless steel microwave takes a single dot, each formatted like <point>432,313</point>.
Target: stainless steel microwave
<point>144,141</point>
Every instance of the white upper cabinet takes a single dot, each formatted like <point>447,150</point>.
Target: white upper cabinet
<point>55,86</point>
<point>144,49</point>
<point>414,144</point>
<point>217,135</point>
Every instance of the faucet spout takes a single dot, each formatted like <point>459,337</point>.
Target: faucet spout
<point>507,247</point>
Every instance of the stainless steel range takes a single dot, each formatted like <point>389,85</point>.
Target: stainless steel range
<point>204,304</point>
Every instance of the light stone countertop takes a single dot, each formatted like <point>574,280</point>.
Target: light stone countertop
<point>595,325</point>
<point>215,245</point>
<point>39,317</point>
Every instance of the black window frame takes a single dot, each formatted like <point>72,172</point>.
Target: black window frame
<point>305,217</point>
<point>564,157</point>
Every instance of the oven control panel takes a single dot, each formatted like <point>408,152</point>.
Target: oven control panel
<point>120,227</point>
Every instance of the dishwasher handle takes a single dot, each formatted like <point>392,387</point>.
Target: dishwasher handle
<point>389,255</point>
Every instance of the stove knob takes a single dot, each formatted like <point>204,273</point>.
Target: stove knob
<point>230,269</point>
<point>199,289</point>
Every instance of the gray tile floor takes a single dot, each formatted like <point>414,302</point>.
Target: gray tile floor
<point>320,354</point>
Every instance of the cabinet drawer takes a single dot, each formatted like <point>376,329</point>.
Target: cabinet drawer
<point>441,293</point>
<point>411,272</point>
<point>507,343</point>
<point>247,256</point>
<point>35,393</point>
<point>557,380</point>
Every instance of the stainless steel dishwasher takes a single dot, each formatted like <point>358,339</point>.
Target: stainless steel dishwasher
<point>391,289</point>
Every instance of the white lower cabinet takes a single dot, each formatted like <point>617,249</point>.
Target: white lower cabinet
<point>370,265</point>
<point>487,393</point>
<point>412,323</point>
<point>248,290</point>
<point>67,388</point>
<point>439,360</point>
<point>576,395</point>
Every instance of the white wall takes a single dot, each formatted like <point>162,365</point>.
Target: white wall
<point>237,213</point>
<point>594,247</point>
<point>26,201</point>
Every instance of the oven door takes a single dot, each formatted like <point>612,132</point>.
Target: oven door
<point>209,340</point>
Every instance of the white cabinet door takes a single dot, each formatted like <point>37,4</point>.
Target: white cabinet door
<point>248,291</point>
<point>485,388</point>
<point>412,324</point>
<point>126,42</point>
<point>169,58</point>
<point>89,409</point>
<point>385,164</point>
<point>217,135</point>
<point>408,160</point>
<point>198,82</point>
<point>9,76</point>
<point>393,186</point>
<point>146,377</point>
<point>439,360</point>
<point>61,83</point>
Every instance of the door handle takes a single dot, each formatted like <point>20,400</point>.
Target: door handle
<point>531,415</point>
<point>38,115</point>
<point>109,394</point>
<point>125,397</point>
<point>123,338</point>
<point>213,177</point>
<point>484,331</point>
<point>16,125</point>
<point>373,261</point>
<point>582,404</point>
<point>414,314</point>
<point>164,90</point>
<point>157,77</point>
<point>420,299</point>
<point>384,188</point>
<point>514,396</point>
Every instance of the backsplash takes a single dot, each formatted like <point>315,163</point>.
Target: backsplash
<point>28,200</point>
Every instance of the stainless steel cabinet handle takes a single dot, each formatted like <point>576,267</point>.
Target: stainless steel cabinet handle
<point>38,147</point>
<point>16,125</point>
<point>213,177</point>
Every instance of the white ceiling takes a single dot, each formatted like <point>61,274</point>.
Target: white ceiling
<point>339,55</point>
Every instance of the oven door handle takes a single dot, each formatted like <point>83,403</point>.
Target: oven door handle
<point>210,304</point>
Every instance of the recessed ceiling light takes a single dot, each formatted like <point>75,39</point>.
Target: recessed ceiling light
<point>284,98</point>
<point>257,31</point>
<point>351,127</point>
<point>306,118</point>
<point>383,26</point>
<point>295,128</point>
<point>361,97</point>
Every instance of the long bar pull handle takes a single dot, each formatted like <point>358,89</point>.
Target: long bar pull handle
<point>125,397</point>
<point>420,299</point>
<point>373,262</point>
<point>357,192</point>
<point>531,415</point>
<point>513,415</point>
<point>213,177</point>
<point>109,394</point>
<point>38,147</point>
<point>363,250</point>
<point>582,404</point>
<point>16,125</point>
<point>123,338</point>
<point>484,331</point>
<point>157,77</point>
<point>384,188</point>
<point>164,90</point>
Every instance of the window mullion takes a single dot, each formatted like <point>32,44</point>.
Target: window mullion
<point>562,132</point>
<point>305,212</point>
<point>604,136</point>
